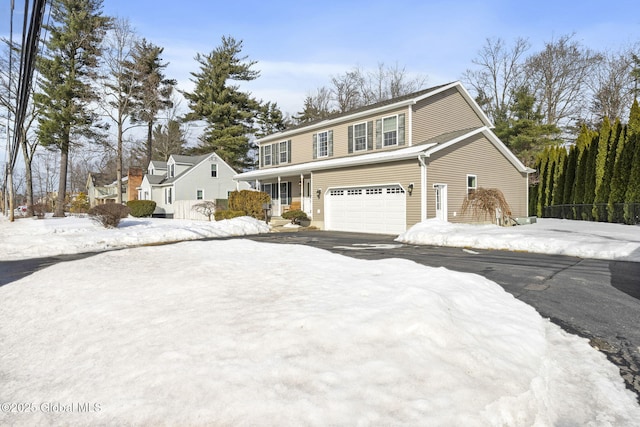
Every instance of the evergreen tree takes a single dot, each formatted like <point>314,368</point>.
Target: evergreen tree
<point>603,190</point>
<point>561,174</point>
<point>589,177</point>
<point>570,176</point>
<point>543,171</point>
<point>632,194</point>
<point>168,139</point>
<point>528,135</point>
<point>604,138</point>
<point>551,175</point>
<point>66,74</point>
<point>152,90</point>
<point>620,178</point>
<point>228,112</point>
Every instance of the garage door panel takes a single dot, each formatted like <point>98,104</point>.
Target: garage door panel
<point>379,209</point>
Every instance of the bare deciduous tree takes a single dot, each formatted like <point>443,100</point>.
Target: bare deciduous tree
<point>611,85</point>
<point>558,75</point>
<point>500,73</point>
<point>357,88</point>
<point>119,85</point>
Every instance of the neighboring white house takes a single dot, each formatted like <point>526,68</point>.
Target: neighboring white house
<point>187,178</point>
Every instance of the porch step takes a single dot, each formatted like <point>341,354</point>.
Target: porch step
<point>277,221</point>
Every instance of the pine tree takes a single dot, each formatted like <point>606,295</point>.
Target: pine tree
<point>66,73</point>
<point>228,112</point>
<point>152,91</point>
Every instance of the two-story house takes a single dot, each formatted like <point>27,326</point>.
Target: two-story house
<point>387,166</point>
<point>187,178</point>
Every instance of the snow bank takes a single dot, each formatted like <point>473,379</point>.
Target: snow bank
<point>552,236</point>
<point>32,238</point>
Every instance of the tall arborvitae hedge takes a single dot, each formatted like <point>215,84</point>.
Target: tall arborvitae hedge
<point>600,171</point>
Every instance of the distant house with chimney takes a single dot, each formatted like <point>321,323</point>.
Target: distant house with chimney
<point>103,188</point>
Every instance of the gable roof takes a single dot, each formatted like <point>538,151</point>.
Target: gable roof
<point>424,149</point>
<point>157,164</point>
<point>391,104</point>
<point>193,161</point>
<point>99,179</point>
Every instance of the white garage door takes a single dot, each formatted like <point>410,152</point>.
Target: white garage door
<point>380,209</point>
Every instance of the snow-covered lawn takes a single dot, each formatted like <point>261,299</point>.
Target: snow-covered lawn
<point>235,332</point>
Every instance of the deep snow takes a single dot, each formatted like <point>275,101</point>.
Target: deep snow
<point>234,332</point>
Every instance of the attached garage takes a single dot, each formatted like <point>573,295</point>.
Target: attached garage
<point>370,209</point>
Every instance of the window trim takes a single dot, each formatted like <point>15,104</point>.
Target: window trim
<point>200,191</point>
<point>384,140</point>
<point>471,189</point>
<point>326,154</point>
<point>265,155</point>
<point>212,171</point>
<point>366,135</point>
<point>283,151</point>
<point>168,199</point>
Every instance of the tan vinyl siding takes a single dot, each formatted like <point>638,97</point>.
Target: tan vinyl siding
<point>445,112</point>
<point>302,143</point>
<point>402,173</point>
<point>476,156</point>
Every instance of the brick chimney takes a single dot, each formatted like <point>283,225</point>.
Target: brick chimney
<point>134,181</point>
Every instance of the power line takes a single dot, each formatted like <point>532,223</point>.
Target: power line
<point>27,60</point>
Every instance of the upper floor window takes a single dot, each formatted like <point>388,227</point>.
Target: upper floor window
<point>472,183</point>
<point>214,170</point>
<point>172,170</point>
<point>284,152</point>
<point>199,194</point>
<point>266,155</point>
<point>323,144</point>
<point>390,131</point>
<point>360,137</point>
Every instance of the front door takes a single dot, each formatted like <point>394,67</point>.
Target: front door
<point>441,201</point>
<point>306,196</point>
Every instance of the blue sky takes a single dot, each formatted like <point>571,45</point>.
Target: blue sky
<point>300,44</point>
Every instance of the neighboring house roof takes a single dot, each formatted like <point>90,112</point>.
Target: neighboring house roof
<point>100,179</point>
<point>424,149</point>
<point>158,164</point>
<point>185,160</point>
<point>155,179</point>
<point>390,104</point>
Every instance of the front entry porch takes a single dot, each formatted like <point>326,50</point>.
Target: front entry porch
<point>288,193</point>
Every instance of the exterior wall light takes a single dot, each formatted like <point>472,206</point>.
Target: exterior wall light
<point>410,188</point>
<point>318,192</point>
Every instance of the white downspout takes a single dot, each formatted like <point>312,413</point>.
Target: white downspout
<point>423,187</point>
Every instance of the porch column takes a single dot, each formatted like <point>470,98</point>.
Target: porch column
<point>279,197</point>
<point>302,192</point>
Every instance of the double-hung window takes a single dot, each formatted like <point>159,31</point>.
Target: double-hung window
<point>472,183</point>
<point>390,131</point>
<point>284,152</point>
<point>214,170</point>
<point>360,137</point>
<point>267,155</point>
<point>199,194</point>
<point>167,195</point>
<point>323,144</point>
